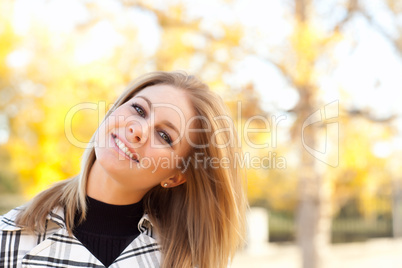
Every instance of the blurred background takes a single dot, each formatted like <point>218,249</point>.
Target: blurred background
<point>314,88</point>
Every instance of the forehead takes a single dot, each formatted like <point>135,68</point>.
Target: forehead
<point>166,97</point>
<point>164,94</point>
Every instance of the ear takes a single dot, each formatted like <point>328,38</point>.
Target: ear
<point>174,181</point>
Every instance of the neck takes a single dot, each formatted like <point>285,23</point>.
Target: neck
<point>101,186</point>
<point>102,218</point>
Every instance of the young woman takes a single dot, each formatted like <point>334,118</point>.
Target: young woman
<point>159,187</point>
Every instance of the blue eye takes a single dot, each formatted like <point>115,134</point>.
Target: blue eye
<point>139,109</point>
<point>166,137</point>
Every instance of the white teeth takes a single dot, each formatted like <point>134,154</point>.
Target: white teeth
<point>124,148</point>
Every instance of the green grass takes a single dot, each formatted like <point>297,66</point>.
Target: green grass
<point>282,228</point>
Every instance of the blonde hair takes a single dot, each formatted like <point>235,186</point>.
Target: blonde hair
<point>199,223</point>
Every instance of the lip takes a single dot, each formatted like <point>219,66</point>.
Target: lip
<point>117,148</point>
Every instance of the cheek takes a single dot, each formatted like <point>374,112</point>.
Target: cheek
<point>100,135</point>
<point>162,161</point>
<point>104,130</point>
<point>102,143</point>
<point>100,146</point>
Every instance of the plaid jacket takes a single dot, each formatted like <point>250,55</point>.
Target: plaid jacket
<point>55,248</point>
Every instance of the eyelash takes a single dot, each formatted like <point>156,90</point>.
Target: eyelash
<point>141,112</point>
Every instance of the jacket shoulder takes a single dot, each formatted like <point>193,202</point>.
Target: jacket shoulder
<point>15,243</point>
<point>7,221</point>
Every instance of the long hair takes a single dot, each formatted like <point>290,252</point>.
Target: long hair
<point>200,223</point>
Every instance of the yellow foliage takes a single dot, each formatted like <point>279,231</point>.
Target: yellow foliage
<point>8,40</point>
<point>41,152</point>
<point>361,174</point>
<point>309,44</point>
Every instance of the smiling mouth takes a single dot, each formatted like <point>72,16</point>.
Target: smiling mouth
<point>124,148</point>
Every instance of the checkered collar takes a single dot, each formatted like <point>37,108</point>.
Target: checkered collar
<point>7,221</point>
<point>57,216</point>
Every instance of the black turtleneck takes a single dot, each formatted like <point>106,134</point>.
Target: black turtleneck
<point>108,229</point>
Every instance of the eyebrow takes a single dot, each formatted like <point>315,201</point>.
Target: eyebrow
<point>165,122</point>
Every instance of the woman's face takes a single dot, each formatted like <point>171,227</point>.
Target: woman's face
<point>143,142</point>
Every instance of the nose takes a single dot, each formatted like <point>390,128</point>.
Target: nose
<point>137,132</point>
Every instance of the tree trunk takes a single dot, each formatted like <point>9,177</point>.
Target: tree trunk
<point>313,215</point>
